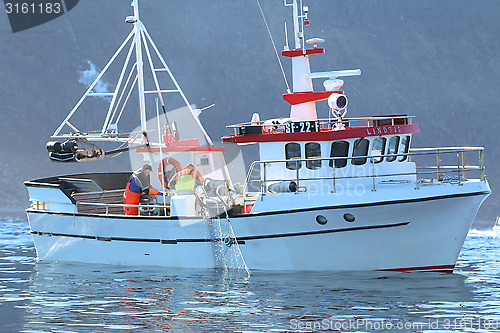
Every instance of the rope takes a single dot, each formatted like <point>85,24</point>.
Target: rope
<point>274,46</point>
<point>130,139</point>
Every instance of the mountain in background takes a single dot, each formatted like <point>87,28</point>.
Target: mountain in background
<point>436,60</point>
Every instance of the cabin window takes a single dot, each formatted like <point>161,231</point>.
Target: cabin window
<point>404,148</point>
<point>339,149</point>
<point>292,151</point>
<point>313,150</point>
<point>378,149</point>
<point>393,148</point>
<point>360,149</point>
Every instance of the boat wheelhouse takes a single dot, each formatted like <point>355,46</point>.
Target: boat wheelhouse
<point>328,149</point>
<point>325,194</point>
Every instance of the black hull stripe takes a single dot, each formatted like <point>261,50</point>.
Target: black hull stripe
<point>300,210</point>
<point>370,204</point>
<point>318,232</point>
<point>241,240</point>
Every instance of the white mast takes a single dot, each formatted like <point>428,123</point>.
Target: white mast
<point>300,67</point>
<point>296,26</point>
<point>140,39</point>
<point>140,66</point>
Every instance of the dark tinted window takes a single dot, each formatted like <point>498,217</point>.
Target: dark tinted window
<point>404,148</point>
<point>378,149</point>
<point>292,151</point>
<point>393,148</point>
<point>339,149</point>
<point>313,150</point>
<point>360,149</point>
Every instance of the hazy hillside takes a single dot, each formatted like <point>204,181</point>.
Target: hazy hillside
<point>437,60</point>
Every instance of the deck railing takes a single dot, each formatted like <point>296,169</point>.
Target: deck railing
<point>454,170</point>
<point>107,206</point>
<point>335,123</point>
<point>449,166</point>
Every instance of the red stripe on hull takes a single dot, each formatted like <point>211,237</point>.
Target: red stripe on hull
<point>424,268</point>
<point>324,135</point>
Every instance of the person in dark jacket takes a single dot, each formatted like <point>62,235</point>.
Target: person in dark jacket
<point>139,184</point>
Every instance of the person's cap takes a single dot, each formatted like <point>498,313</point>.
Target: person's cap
<point>147,167</point>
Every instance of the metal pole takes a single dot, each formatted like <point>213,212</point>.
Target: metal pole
<point>161,157</point>
<point>463,164</point>
<point>481,166</point>
<point>438,166</point>
<point>94,83</point>
<point>296,28</point>
<point>264,187</point>
<point>177,86</point>
<point>155,78</point>
<point>298,172</point>
<point>115,94</point>
<point>140,66</point>
<point>334,167</point>
<point>373,173</point>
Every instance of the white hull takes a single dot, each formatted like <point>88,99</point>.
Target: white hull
<point>424,231</point>
<point>334,194</point>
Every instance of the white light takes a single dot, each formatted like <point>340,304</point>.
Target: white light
<point>337,101</point>
<point>255,119</point>
<point>315,41</point>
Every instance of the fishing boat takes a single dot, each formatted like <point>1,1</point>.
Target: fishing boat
<point>331,193</point>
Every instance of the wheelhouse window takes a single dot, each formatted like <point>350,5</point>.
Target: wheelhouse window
<point>313,150</point>
<point>404,148</point>
<point>292,151</point>
<point>360,149</point>
<point>393,148</point>
<point>339,149</point>
<point>378,149</point>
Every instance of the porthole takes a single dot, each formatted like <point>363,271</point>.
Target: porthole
<point>321,219</point>
<point>349,217</point>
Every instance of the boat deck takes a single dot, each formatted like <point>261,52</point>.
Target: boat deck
<point>111,202</point>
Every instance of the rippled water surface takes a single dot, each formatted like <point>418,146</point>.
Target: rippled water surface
<point>75,298</point>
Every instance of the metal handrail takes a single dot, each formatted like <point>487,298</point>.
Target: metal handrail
<point>366,176</point>
<point>461,168</point>
<point>107,205</point>
<point>329,121</point>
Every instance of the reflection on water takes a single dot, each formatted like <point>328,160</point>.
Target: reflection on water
<point>75,298</point>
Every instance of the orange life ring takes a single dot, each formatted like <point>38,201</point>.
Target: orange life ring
<point>199,178</point>
<point>164,174</point>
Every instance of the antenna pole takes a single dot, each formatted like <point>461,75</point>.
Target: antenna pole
<point>286,38</point>
<point>296,27</point>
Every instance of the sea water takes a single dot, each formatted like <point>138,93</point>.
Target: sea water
<point>99,298</point>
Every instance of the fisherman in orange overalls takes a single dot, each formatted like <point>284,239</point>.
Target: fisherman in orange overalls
<point>137,185</point>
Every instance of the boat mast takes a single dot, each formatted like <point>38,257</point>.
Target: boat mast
<point>301,67</point>
<point>303,98</point>
<point>139,39</point>
<point>296,27</point>
<point>140,65</point>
